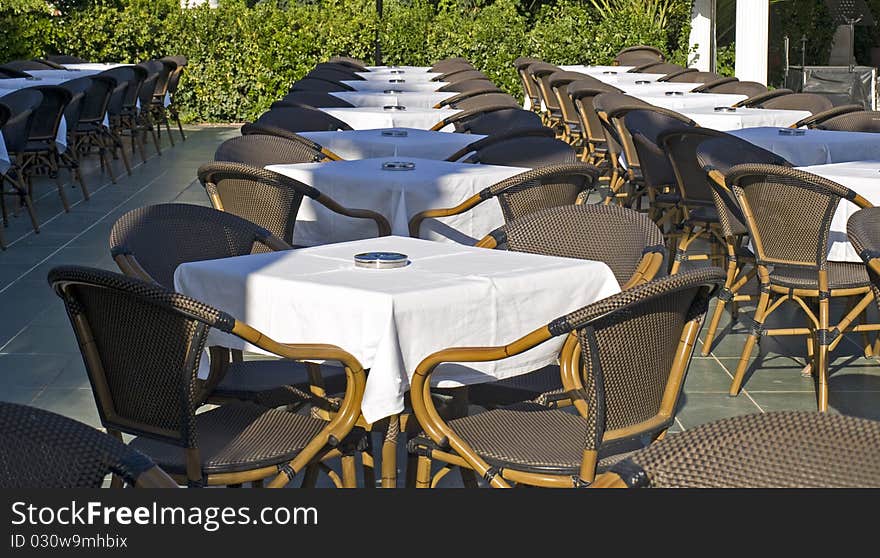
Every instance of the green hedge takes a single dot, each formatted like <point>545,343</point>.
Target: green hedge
<point>242,58</point>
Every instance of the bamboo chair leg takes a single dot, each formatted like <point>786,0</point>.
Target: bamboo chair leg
<point>369,468</point>
<point>389,453</point>
<point>179,126</point>
<point>742,367</point>
<point>349,468</point>
<point>53,171</point>
<point>412,463</point>
<point>822,346</point>
<point>681,250</point>
<point>719,308</point>
<point>117,144</point>
<point>423,472</point>
<point>310,477</point>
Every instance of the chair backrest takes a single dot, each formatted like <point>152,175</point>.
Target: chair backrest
<point>747,88</point>
<point>461,75</point>
<point>128,84</point>
<point>645,127</point>
<point>780,449</point>
<point>47,117</point>
<point>530,88</point>
<point>5,113</point>
<point>487,100</point>
<point>542,188</point>
<point>447,64</point>
<point>169,68</point>
<point>335,76</point>
<point>301,119</point>
<point>157,69</point>
<point>863,231</point>
<point>180,62</point>
<point>145,93</point>
<point>612,108</point>
<point>528,152</point>
<point>25,65</point>
<point>583,93</point>
<point>665,68</point>
<point>501,121</point>
<point>541,73</point>
<point>42,449</point>
<point>314,84</point>
<point>66,59</point>
<point>694,77</point>
<point>638,53</point>
<point>864,121</point>
<point>467,85</point>
<point>22,105</point>
<point>260,150</point>
<point>559,82</point>
<point>315,99</point>
<point>680,145</point>
<point>141,344</point>
<point>261,196</point>
<point>152,241</point>
<point>618,236</point>
<point>9,73</point>
<point>356,64</point>
<point>499,136</point>
<point>811,102</point>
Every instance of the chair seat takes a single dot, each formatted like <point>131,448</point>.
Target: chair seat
<point>841,275</point>
<point>530,437</point>
<point>527,387</point>
<point>38,146</point>
<point>702,214</point>
<point>273,383</point>
<point>238,437</point>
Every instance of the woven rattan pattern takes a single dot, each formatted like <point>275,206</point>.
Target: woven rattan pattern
<point>865,121</point>
<point>489,100</point>
<point>260,150</point>
<point>863,230</point>
<point>810,102</point>
<point>747,88</point>
<point>501,121</point>
<point>787,449</point>
<point>542,188</point>
<point>301,119</point>
<point>528,152</point>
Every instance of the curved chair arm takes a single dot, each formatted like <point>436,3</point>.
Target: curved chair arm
<point>467,95</point>
<point>583,169</point>
<point>254,128</point>
<point>466,114</point>
<point>343,421</point>
<point>543,131</point>
<point>820,117</point>
<point>760,98</point>
<point>713,83</point>
<point>671,75</point>
<point>53,65</point>
<point>331,204</point>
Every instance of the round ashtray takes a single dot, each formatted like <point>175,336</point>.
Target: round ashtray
<point>392,92</point>
<point>381,260</point>
<point>394,107</point>
<point>642,82</point>
<point>394,133</point>
<point>396,81</point>
<point>398,165</point>
<point>674,93</point>
<point>610,73</point>
<point>791,132</point>
<point>725,109</point>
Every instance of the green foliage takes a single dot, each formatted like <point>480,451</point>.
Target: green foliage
<point>244,55</point>
<point>725,60</point>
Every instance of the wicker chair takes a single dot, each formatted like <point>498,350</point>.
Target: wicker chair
<point>66,59</point>
<point>460,120</point>
<point>789,449</point>
<point>142,345</point>
<point>487,100</point>
<point>571,126</point>
<point>123,110</point>
<point>301,119</point>
<point>269,199</point>
<point>180,63</point>
<point>639,53</point>
<point>354,63</point>
<point>467,85</point>
<point>41,449</point>
<point>444,65</point>
<point>468,89</point>
<point>863,231</point>
<point>20,107</point>
<point>664,68</point>
<point>501,121</point>
<point>310,99</point>
<point>528,151</point>
<point>788,215</point>
<point>529,87</point>
<point>262,150</point>
<point>257,129</point>
<point>313,84</point>
<point>502,136</point>
<point>636,347</point>
<point>582,94</point>
<point>551,111</point>
<point>760,98</point>
<point>90,131</point>
<point>334,76</point>
<point>860,121</point>
<point>460,75</point>
<point>692,77</point>
<point>523,194</point>
<point>819,107</point>
<point>734,87</point>
<point>150,242</point>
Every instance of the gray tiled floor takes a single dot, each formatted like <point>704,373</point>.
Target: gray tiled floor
<point>39,362</point>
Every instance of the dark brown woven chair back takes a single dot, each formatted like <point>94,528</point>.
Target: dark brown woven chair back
<point>154,67</point>
<point>9,73</point>
<point>260,150</point>
<point>335,76</point>
<point>559,82</point>
<point>356,64</point>
<point>126,78</point>
<point>301,119</point>
<point>530,88</point>
<point>467,85</point>
<point>645,127</point>
<point>582,94</point>
<point>501,136</point>
<point>258,195</point>
<point>47,117</point>
<point>41,449</point>
<point>527,152</point>
<point>541,73</point>
<point>664,68</point>
<point>473,88</point>
<point>66,59</point>
<point>161,237</point>
<point>615,106</point>
<point>52,65</point>
<point>747,88</point>
<point>543,188</point>
<point>141,344</point>
<point>168,68</point>
<point>618,236</point>
<point>462,75</point>
<point>810,102</point>
<point>25,65</point>
<point>488,100</point>
<point>864,121</point>
<point>341,68</point>
<point>694,77</point>
<point>680,144</point>
<point>312,84</point>
<point>448,64</point>
<point>632,361</point>
<point>787,449</point>
<point>314,99</point>
<point>145,93</point>
<point>627,56</point>
<point>5,114</point>
<point>22,105</point>
<point>180,63</point>
<point>863,231</point>
<point>501,121</point>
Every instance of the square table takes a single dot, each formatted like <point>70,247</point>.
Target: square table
<point>387,85</point>
<point>394,73</point>
<point>683,101</point>
<point>397,195</point>
<point>863,177</point>
<point>367,144</point>
<point>708,117</point>
<point>391,319</point>
<point>814,147</point>
<point>413,99</point>
<point>369,118</point>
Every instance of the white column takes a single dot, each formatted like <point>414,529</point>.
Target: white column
<point>752,31</point>
<point>702,36</point>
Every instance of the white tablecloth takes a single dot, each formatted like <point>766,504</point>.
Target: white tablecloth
<point>654,88</point>
<point>864,178</point>
<point>815,147</point>
<point>94,66</point>
<point>397,195</point>
<point>366,144</point>
<point>386,85</point>
<point>378,99</point>
<point>385,75</point>
<point>743,117</point>
<point>592,70</point>
<point>689,100</point>
<point>407,69</point>
<point>368,118</point>
<point>622,80</point>
<point>390,320</point>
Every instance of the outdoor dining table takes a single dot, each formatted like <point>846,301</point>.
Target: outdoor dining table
<point>413,99</point>
<point>406,69</point>
<point>392,142</point>
<point>737,119</point>
<point>863,177</point>
<point>366,118</point>
<point>397,195</point>
<point>678,100</point>
<point>814,147</point>
<point>448,295</point>
<point>394,84</point>
<point>380,75</point>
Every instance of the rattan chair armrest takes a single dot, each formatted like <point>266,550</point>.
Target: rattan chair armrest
<point>331,204</point>
<point>155,478</point>
<point>758,99</point>
<point>415,222</point>
<point>713,83</point>
<point>819,117</point>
